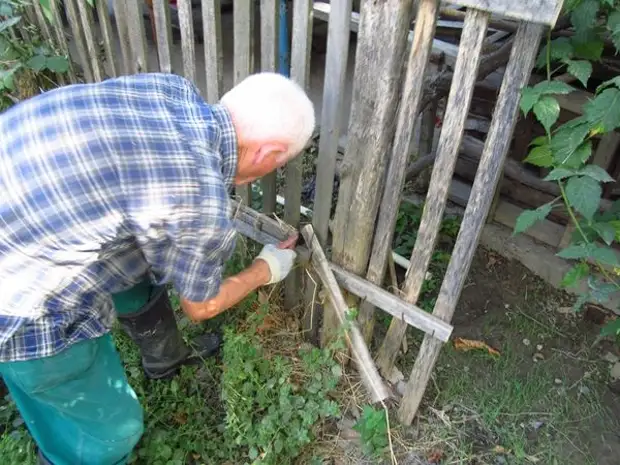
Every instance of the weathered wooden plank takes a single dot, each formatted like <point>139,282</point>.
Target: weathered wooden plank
<point>120,16</point>
<point>338,36</point>
<point>243,65</point>
<point>61,38</point>
<point>137,39</point>
<point>214,55</point>
<point>186,24</point>
<point>536,11</point>
<point>490,169</point>
<point>42,20</point>
<point>368,371</point>
<point>407,116</point>
<point>269,13</point>
<point>163,26</point>
<point>300,69</point>
<point>86,16</point>
<point>106,33</point>
<point>455,115</point>
<point>78,37</point>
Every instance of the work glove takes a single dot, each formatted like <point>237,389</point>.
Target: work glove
<point>280,261</point>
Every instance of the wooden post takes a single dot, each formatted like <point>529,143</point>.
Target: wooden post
<point>86,16</point>
<point>163,26</point>
<point>214,55</point>
<point>61,38</point>
<point>243,15</point>
<point>78,38</point>
<point>410,107</point>
<point>137,40</point>
<point>457,108</point>
<point>186,25</point>
<point>269,13</point>
<point>496,147</point>
<point>106,32</point>
<point>42,21</point>
<point>300,66</point>
<point>120,15</point>
<point>338,35</point>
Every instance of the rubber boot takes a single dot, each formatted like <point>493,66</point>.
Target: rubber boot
<point>154,329</point>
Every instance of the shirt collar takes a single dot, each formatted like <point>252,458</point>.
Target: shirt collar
<point>228,142</point>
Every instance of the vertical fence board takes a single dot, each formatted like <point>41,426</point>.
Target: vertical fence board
<point>137,40</point>
<point>106,32</point>
<point>120,15</point>
<point>163,26</point>
<point>300,66</point>
<point>489,172</point>
<point>41,20</point>
<point>457,108</point>
<point>214,55</point>
<point>186,24</point>
<point>410,107</point>
<point>78,38</point>
<point>61,38</point>
<point>86,16</point>
<point>269,62</point>
<point>243,31</point>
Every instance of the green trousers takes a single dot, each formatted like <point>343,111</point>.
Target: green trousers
<point>78,404</point>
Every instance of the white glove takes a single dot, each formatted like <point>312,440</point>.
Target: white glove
<point>280,261</point>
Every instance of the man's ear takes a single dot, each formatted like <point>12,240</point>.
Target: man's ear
<point>274,148</point>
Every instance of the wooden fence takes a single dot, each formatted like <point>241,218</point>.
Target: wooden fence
<point>384,111</point>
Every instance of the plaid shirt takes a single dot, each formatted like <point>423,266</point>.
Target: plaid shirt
<point>102,184</point>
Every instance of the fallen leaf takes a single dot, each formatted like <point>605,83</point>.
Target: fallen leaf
<point>405,346</point>
<point>538,356</point>
<point>469,344</point>
<point>526,342</point>
<point>435,456</point>
<point>395,376</point>
<point>614,372</point>
<point>611,358</point>
<point>263,298</point>
<point>501,450</point>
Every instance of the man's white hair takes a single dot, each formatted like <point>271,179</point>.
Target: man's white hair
<point>271,107</point>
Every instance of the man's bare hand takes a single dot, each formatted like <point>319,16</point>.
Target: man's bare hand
<point>289,243</point>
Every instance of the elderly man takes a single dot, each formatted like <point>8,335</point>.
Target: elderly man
<point>110,191</point>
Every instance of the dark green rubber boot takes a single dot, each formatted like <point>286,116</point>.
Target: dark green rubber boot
<point>154,329</point>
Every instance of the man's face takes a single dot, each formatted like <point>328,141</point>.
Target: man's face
<point>256,161</point>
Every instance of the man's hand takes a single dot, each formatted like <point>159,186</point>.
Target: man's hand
<point>280,260</point>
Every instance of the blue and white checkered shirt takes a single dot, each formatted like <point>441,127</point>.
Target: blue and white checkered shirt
<point>102,184</point>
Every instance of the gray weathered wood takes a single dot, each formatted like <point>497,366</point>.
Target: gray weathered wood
<point>338,36</point>
<point>120,16</point>
<point>269,12</point>
<point>368,371</point>
<point>495,150</point>
<point>536,11</point>
<point>186,24</point>
<point>41,20</point>
<point>409,109</point>
<point>86,17</point>
<point>243,65</point>
<point>214,55</point>
<point>300,69</point>
<point>137,39</point>
<point>78,38</point>
<point>61,38</point>
<point>163,26</point>
<point>107,36</point>
<point>457,108</point>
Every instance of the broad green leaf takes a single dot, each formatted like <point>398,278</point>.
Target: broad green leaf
<point>576,251</point>
<point>581,69</point>
<point>47,11</point>
<point>613,25</point>
<point>600,291</point>
<point>540,140</point>
<point>528,218</point>
<point>57,64</point>
<point>580,302</point>
<point>611,82</point>
<point>584,195</point>
<point>584,15</point>
<point>612,328</point>
<point>559,173</point>
<point>547,111</point>
<point>528,98</point>
<point>583,152</point>
<point>605,231</point>
<point>540,156</point>
<point>6,9</point>
<point>604,110</point>
<point>616,226</point>
<point>566,140</point>
<point>561,49</point>
<point>591,50</point>
<point>596,172</point>
<point>37,62</point>
<point>605,255</point>
<point>4,25</point>
<point>575,274</point>
<point>553,87</point>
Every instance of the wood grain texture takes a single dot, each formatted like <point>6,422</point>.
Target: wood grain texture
<point>300,70</point>
<point>537,11</point>
<point>495,150</point>
<point>457,108</point>
<point>338,36</point>
<point>106,34</point>
<point>186,24</point>
<point>366,367</point>
<point>44,27</point>
<point>77,31</point>
<point>406,120</point>
<point>163,26</point>
<point>137,38</point>
<point>61,38</point>
<point>214,54</point>
<point>120,15</point>
<point>269,12</point>
<point>243,65</point>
